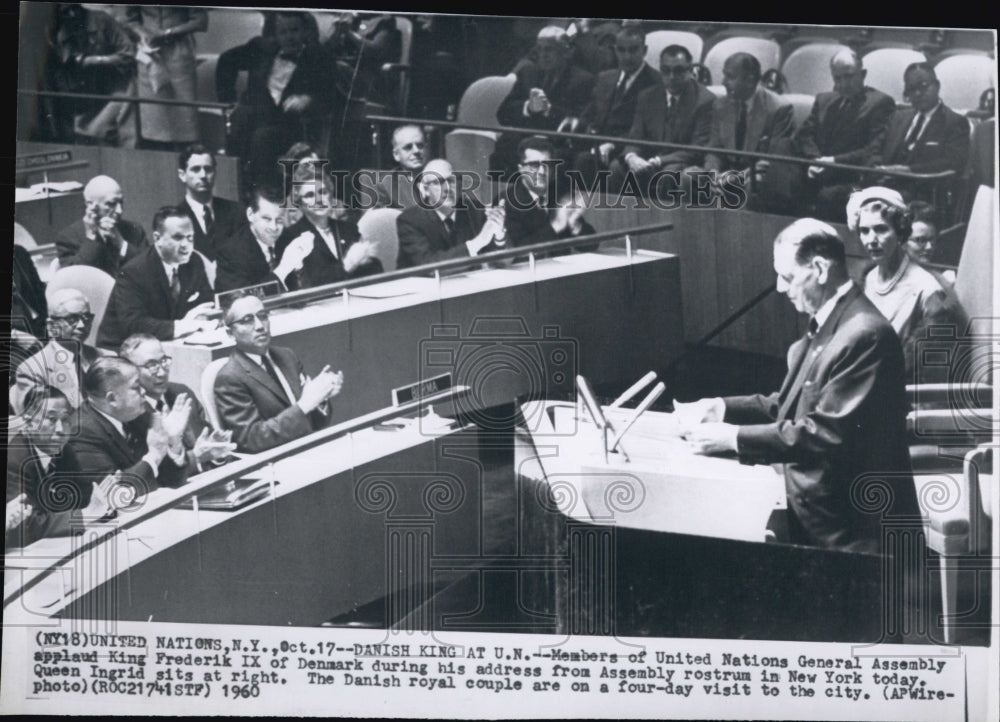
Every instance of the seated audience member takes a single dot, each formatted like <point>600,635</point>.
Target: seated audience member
<point>28,307</point>
<point>116,434</point>
<point>594,44</point>
<point>338,251</point>
<point>359,45</point>
<point>906,294</point>
<point>102,238</point>
<point>923,240</point>
<point>395,189</point>
<point>262,393</point>
<point>682,114</point>
<point>46,496</point>
<point>88,53</point>
<point>440,227</point>
<point>611,110</point>
<point>847,126</point>
<point>288,92</point>
<point>298,154</point>
<point>751,118</point>
<point>62,362</point>
<point>164,291</point>
<point>548,90</point>
<point>983,169</point>
<point>532,215</point>
<point>249,256</point>
<point>160,393</point>
<point>212,218</point>
<point>927,137</point>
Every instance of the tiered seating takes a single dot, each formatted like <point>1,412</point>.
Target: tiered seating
<point>886,66</point>
<point>807,69</point>
<point>767,51</point>
<point>964,76</point>
<point>657,40</point>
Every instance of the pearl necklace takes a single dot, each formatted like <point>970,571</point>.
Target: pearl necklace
<point>887,286</point>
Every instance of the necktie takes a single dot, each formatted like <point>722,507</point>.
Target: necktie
<point>813,328</point>
<point>209,220</point>
<point>449,226</point>
<point>175,287</point>
<point>914,134</point>
<point>741,126</point>
<point>671,103</point>
<point>620,88</point>
<point>133,439</point>
<point>272,372</point>
<point>272,262</point>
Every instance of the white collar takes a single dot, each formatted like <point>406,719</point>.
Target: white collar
<point>197,207</point>
<point>44,459</point>
<point>629,79</point>
<point>827,308</point>
<point>169,268</point>
<point>443,216</point>
<point>263,247</point>
<point>114,422</point>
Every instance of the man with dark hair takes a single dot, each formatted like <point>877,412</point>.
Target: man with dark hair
<point>249,256</point>
<point>212,218</point>
<point>682,114</point>
<point>927,137</point>
<point>165,291</point>
<point>838,423</point>
<point>116,435</point>
<point>262,393</point>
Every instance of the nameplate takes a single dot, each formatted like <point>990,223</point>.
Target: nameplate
<point>421,389</point>
<point>260,290</point>
<point>23,162</point>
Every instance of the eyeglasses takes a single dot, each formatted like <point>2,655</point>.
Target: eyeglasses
<point>72,319</point>
<point>414,146</point>
<point>158,363</point>
<point>921,87</point>
<point>677,70</point>
<point>248,320</point>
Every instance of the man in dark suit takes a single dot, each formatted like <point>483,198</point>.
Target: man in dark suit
<point>682,114</point>
<point>146,353</point>
<point>611,110</point>
<point>409,150</point>
<point>212,218</point>
<point>102,238</point>
<point>749,118</point>
<point>115,434</point>
<point>838,423</point>
<point>45,495</point>
<point>164,291</point>
<point>249,256</point>
<point>338,251</point>
<point>440,227</point>
<point>845,126</point>
<point>927,137</point>
<point>263,394</point>
<point>289,92</point>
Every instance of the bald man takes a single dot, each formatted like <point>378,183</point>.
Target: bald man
<point>62,362</point>
<point>848,126</point>
<point>102,238</point>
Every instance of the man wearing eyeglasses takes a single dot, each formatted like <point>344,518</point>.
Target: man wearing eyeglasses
<point>263,394</point>
<point>165,291</point>
<point>62,362</point>
<point>409,150</point>
<point>927,137</point>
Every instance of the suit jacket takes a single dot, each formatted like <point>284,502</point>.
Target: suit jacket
<point>838,424</point>
<point>241,262</point>
<point>53,366</point>
<point>28,309</point>
<point>321,266</point>
<point>101,450</point>
<point>423,237</point>
<point>52,494</point>
<point>75,249</point>
<point>310,77</point>
<point>689,124</point>
<point>254,406</point>
<point>610,112</point>
<point>197,421</point>
<point>140,301</point>
<point>769,118</point>
<point>852,133</point>
<point>943,145</point>
<point>229,216</point>
<point>395,189</point>
<point>567,92</point>
<point>528,222</point>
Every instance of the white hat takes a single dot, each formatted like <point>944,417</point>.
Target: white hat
<point>867,195</point>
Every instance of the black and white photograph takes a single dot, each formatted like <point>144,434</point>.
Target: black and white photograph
<point>374,363</point>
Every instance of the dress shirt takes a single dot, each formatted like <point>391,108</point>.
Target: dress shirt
<point>199,211</point>
<point>267,250</point>
<point>924,119</point>
<point>330,238</point>
<point>281,72</point>
<point>43,459</point>
<point>282,381</point>
<point>629,80</point>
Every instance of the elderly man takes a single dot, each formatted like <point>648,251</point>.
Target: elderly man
<point>838,423</point>
<point>263,394</point>
<point>441,227</point>
<point>62,362</point>
<point>845,126</point>
<point>212,218</point>
<point>409,150</point>
<point>102,238</point>
<point>165,291</point>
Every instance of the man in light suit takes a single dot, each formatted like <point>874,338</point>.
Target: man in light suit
<point>164,291</point>
<point>927,137</point>
<point>62,362</point>
<point>263,394</point>
<point>838,423</point>
<point>212,218</point>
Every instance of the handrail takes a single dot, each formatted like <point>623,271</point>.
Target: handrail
<point>319,293</point>
<point>127,99</point>
<point>213,478</point>
<point>941,175</point>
